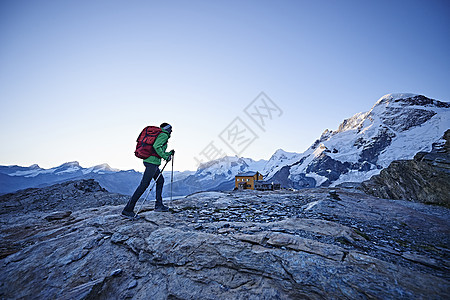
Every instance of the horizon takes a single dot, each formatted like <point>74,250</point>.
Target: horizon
<point>79,80</point>
<point>256,160</point>
<point>112,167</point>
<point>394,95</point>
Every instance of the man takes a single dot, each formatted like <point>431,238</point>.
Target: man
<point>152,164</point>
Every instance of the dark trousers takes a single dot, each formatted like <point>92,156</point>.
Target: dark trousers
<point>151,171</point>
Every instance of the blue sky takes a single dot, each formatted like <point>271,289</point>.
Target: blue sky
<point>80,79</point>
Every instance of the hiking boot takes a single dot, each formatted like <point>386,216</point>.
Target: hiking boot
<point>129,215</point>
<point>161,208</point>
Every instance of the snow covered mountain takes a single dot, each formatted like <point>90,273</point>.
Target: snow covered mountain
<point>66,168</point>
<point>278,160</point>
<point>397,127</point>
<point>13,178</point>
<point>228,167</point>
<point>216,175</point>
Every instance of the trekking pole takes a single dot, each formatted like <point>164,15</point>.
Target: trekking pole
<point>142,204</point>
<point>171,180</point>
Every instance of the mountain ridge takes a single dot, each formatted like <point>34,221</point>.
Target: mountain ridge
<point>396,127</point>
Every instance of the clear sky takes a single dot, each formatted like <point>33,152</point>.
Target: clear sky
<point>80,79</point>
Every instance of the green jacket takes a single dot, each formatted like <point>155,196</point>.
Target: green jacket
<point>160,146</point>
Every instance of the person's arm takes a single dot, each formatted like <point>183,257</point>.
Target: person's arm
<point>159,144</point>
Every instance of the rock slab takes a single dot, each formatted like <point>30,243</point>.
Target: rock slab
<point>311,244</point>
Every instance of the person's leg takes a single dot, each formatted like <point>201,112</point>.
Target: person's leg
<point>159,187</point>
<point>150,170</point>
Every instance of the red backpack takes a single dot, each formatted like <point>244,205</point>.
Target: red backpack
<point>144,147</point>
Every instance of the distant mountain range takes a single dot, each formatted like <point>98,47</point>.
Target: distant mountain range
<point>13,178</point>
<point>397,127</point>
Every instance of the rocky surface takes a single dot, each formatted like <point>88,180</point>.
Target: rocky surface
<point>425,179</point>
<point>17,210</point>
<point>309,244</point>
<point>73,195</point>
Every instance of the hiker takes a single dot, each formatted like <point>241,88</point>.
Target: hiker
<point>152,164</point>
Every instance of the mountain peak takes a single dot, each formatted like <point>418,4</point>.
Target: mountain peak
<point>395,96</point>
<point>225,159</point>
<point>406,99</point>
<point>104,167</point>
<point>280,152</point>
<point>71,164</point>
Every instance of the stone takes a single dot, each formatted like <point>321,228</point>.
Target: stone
<point>132,284</point>
<point>225,230</point>
<point>116,272</point>
<point>306,245</point>
<point>422,259</point>
<point>426,178</point>
<point>198,227</point>
<point>119,238</point>
<point>58,216</point>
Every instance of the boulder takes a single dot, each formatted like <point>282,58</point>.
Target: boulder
<point>426,178</point>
